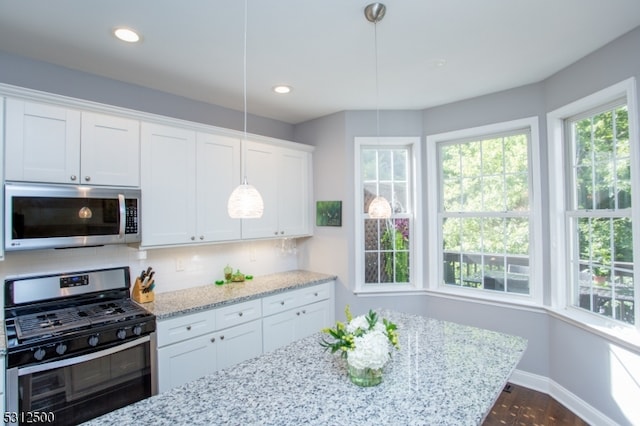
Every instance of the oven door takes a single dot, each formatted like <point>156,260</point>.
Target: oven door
<point>78,389</point>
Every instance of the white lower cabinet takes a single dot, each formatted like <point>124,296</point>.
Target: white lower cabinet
<point>295,314</point>
<point>286,327</point>
<point>194,345</point>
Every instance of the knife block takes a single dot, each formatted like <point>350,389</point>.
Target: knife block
<point>139,296</point>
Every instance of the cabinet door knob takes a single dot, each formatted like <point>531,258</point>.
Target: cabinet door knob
<point>73,177</point>
<point>87,178</point>
<point>315,294</point>
<point>304,312</point>
<point>282,303</point>
<point>193,238</point>
<point>188,328</point>
<point>202,237</point>
<point>213,339</point>
<point>275,233</point>
<point>298,313</point>
<point>239,314</point>
<point>221,337</point>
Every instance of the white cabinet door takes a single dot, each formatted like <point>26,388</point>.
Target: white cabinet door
<point>279,330</point>
<point>283,178</point>
<point>294,193</point>
<point>110,150</point>
<point>42,142</point>
<point>186,361</point>
<point>261,170</point>
<point>218,173</point>
<point>168,183</point>
<point>239,343</point>
<point>286,327</point>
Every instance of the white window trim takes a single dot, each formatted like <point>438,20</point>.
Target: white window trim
<point>435,233</point>
<point>560,297</point>
<point>416,254</point>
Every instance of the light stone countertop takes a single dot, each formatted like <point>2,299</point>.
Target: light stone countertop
<point>443,374</point>
<point>195,299</point>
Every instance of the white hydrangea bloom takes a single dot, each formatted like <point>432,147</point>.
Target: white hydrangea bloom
<point>357,322</point>
<point>371,351</point>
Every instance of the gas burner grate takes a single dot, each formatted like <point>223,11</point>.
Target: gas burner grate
<point>55,322</point>
<point>46,323</point>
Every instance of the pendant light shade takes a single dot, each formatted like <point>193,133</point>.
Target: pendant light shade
<point>245,202</point>
<point>379,208</point>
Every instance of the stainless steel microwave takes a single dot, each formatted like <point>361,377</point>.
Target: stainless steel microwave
<point>39,216</point>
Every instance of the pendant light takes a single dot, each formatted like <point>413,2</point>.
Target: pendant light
<point>379,208</point>
<point>245,202</point>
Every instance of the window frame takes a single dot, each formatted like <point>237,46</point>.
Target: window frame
<point>415,216</point>
<point>436,273</point>
<point>559,208</point>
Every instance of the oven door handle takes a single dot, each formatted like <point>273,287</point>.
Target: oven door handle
<point>123,215</point>
<point>82,358</point>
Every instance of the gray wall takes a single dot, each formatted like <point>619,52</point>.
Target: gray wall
<point>599,372</point>
<point>37,75</point>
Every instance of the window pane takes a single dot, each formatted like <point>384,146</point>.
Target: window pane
<point>488,178</point>
<point>385,172</point>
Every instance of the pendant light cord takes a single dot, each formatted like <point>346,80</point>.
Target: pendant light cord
<point>244,67</point>
<point>375,41</point>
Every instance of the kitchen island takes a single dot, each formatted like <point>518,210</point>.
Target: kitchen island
<point>443,374</point>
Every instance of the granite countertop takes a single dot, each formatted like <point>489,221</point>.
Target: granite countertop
<point>443,374</point>
<point>210,296</point>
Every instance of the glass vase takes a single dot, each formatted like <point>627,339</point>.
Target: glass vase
<point>365,376</point>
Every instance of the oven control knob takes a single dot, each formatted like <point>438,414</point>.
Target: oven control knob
<point>61,349</point>
<point>137,330</point>
<point>121,334</point>
<point>93,340</point>
<point>39,354</point>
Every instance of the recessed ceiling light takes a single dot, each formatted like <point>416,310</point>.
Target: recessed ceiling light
<point>126,34</point>
<point>282,89</point>
<point>439,63</point>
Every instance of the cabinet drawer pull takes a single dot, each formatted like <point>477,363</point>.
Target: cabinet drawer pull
<point>298,313</point>
<point>193,238</point>
<point>239,314</point>
<point>87,178</point>
<point>315,294</point>
<point>73,177</point>
<point>213,339</point>
<point>188,328</point>
<point>282,303</point>
<point>304,312</point>
<point>221,337</point>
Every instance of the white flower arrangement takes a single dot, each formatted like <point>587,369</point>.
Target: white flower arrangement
<point>364,341</point>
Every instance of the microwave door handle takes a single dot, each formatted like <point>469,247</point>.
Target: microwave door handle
<point>123,215</point>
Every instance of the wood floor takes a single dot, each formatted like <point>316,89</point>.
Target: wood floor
<point>523,406</point>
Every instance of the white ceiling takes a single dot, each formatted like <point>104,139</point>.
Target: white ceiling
<point>324,49</point>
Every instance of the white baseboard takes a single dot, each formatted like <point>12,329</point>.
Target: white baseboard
<point>563,396</point>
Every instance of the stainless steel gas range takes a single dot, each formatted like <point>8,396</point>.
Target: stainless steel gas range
<point>77,346</point>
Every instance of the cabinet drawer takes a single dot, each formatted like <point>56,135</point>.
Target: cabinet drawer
<point>279,303</point>
<point>185,327</point>
<point>295,298</point>
<point>238,313</point>
<point>314,294</point>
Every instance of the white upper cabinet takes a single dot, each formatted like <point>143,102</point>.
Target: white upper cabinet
<point>187,177</point>
<point>218,173</point>
<point>168,184</point>
<point>56,144</point>
<point>283,178</point>
<point>110,150</point>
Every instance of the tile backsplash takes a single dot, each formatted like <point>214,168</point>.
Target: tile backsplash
<point>199,265</point>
